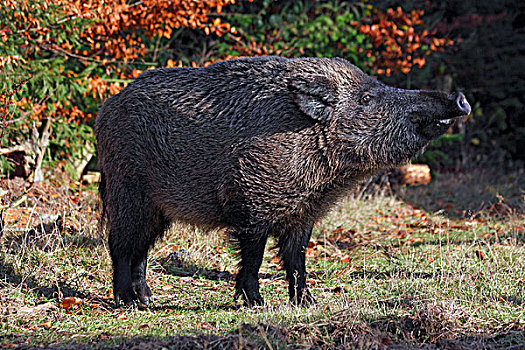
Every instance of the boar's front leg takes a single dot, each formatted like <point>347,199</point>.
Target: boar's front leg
<point>138,278</point>
<point>251,243</point>
<point>129,268</point>
<point>292,250</point>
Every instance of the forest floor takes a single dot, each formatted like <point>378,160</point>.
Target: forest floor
<point>436,266</point>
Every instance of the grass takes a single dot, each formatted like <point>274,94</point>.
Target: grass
<point>386,270</point>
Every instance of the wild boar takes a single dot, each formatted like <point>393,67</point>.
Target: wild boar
<point>256,146</point>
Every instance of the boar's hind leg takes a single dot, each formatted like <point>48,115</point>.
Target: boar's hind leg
<point>251,243</point>
<point>139,261</point>
<point>292,250</point>
<point>121,252</point>
<point>130,236</point>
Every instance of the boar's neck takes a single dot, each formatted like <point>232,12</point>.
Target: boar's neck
<point>293,175</point>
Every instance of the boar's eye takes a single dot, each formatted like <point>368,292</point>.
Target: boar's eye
<point>365,99</point>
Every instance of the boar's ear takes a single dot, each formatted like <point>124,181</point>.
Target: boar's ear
<point>315,95</point>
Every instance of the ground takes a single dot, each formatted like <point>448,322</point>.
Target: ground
<point>437,266</point>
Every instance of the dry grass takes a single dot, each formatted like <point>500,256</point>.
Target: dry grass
<point>385,272</point>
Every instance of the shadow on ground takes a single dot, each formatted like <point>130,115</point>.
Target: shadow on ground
<point>56,292</point>
<point>62,289</point>
<point>386,333</point>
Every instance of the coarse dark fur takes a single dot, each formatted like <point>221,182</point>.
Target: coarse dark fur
<point>258,146</point>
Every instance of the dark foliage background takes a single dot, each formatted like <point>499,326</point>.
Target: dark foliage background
<point>487,64</point>
<point>78,56</point>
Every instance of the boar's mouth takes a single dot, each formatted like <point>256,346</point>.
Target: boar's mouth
<point>441,116</point>
<point>463,106</point>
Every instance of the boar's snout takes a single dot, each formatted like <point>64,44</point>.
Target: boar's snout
<point>435,112</point>
<point>457,107</point>
<point>462,103</point>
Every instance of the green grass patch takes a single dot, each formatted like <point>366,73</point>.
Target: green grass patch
<point>384,269</point>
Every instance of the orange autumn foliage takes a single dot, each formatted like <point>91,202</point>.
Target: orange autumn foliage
<point>115,36</point>
<point>398,40</point>
<point>119,24</point>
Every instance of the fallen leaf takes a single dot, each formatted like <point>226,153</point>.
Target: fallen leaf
<point>310,253</point>
<point>70,302</point>
<point>386,341</point>
<point>415,241</point>
<point>488,235</point>
<point>337,290</point>
<point>44,325</point>
<point>338,230</point>
<point>480,255</point>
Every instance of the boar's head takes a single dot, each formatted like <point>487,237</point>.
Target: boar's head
<point>374,125</point>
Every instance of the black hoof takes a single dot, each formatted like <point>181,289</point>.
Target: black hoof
<point>145,300</point>
<point>126,296</point>
<point>250,299</point>
<point>143,292</point>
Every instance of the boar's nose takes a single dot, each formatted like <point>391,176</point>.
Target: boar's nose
<point>462,103</point>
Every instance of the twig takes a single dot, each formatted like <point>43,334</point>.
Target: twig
<point>40,148</point>
<point>2,212</point>
<point>265,338</point>
<point>9,150</point>
<point>59,50</point>
<point>18,201</point>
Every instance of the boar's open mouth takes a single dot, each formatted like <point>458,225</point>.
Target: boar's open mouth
<point>463,106</point>
<point>449,121</point>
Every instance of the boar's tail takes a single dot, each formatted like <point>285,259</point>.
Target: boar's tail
<point>102,195</point>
